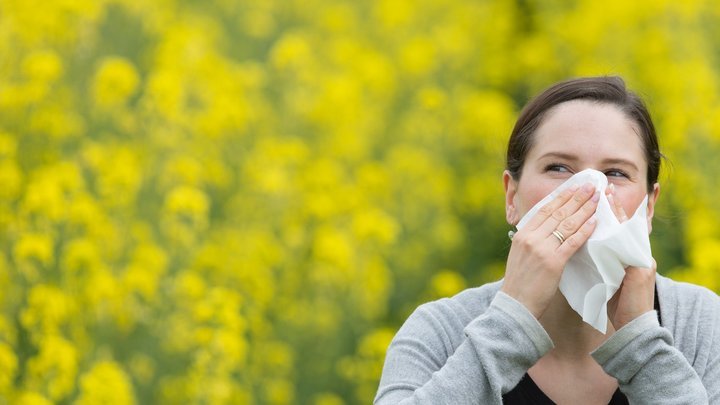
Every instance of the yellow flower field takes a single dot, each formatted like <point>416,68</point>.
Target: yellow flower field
<point>239,202</point>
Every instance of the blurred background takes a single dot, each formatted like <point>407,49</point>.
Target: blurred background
<point>239,202</point>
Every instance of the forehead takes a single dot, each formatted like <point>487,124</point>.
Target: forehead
<point>589,130</point>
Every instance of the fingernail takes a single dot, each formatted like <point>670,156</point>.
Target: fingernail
<point>612,188</point>
<point>596,197</point>
<point>588,188</point>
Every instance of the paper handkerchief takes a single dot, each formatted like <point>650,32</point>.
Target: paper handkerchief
<point>594,273</point>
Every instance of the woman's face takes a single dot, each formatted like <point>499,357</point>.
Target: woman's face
<point>578,135</point>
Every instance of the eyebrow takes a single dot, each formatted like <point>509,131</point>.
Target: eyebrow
<point>611,161</point>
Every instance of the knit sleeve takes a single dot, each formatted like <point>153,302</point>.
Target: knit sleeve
<point>423,366</point>
<point>649,369</point>
<point>711,374</point>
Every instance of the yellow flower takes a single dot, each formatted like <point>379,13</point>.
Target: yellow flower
<point>258,23</point>
<point>328,399</point>
<point>417,57</point>
<point>241,178</point>
<point>57,121</point>
<point>374,285</point>
<point>448,232</point>
<point>148,265</point>
<point>165,94</point>
<point>115,81</point>
<point>189,286</point>
<point>44,66</point>
<point>80,254</point>
<point>7,329</point>
<point>374,344</point>
<point>334,246</point>
<point>105,383</point>
<point>338,18</point>
<point>279,392</point>
<point>54,369</point>
<point>232,345</point>
<point>8,368</point>
<point>11,178</point>
<point>31,398</point>
<point>485,120</point>
<point>49,190</point>
<point>376,225</point>
<point>119,177</point>
<point>183,169</point>
<point>704,261</point>
<point>447,283</point>
<point>102,291</point>
<point>188,202</point>
<point>394,13</point>
<point>33,246</point>
<point>185,215</point>
<point>432,98</point>
<point>366,365</point>
<point>8,145</point>
<point>48,308</point>
<point>291,51</point>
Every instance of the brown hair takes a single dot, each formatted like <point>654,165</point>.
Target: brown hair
<point>605,89</point>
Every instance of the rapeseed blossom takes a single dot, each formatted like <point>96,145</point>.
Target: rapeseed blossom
<point>115,81</point>
<point>105,383</point>
<point>239,202</point>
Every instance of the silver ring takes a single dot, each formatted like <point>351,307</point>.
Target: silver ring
<point>559,235</point>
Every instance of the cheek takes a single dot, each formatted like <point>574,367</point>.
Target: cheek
<point>630,200</point>
<point>530,196</point>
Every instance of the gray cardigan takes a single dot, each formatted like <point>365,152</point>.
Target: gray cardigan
<point>476,346</point>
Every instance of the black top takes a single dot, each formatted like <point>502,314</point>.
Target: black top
<point>527,392</point>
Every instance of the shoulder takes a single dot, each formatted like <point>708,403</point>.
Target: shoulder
<point>677,296</point>
<point>476,299</point>
<point>466,305</point>
<point>446,318</point>
<point>692,315</point>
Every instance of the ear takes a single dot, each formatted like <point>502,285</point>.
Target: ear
<point>510,190</point>
<point>652,199</point>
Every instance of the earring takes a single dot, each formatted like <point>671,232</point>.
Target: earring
<point>511,233</point>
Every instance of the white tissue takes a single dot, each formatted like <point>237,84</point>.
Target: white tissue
<point>594,273</point>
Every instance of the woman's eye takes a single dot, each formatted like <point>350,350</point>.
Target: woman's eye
<point>557,168</point>
<point>615,173</point>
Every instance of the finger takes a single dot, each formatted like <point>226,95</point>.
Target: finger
<point>646,274</point>
<point>570,206</point>
<point>574,241</point>
<point>572,223</point>
<point>546,211</point>
<point>617,208</point>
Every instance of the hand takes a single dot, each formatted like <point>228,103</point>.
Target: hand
<point>537,257</point>
<point>635,297</point>
<point>616,206</point>
<point>636,294</point>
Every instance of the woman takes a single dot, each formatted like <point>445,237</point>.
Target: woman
<point>517,340</point>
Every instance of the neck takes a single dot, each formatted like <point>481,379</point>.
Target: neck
<point>572,337</point>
